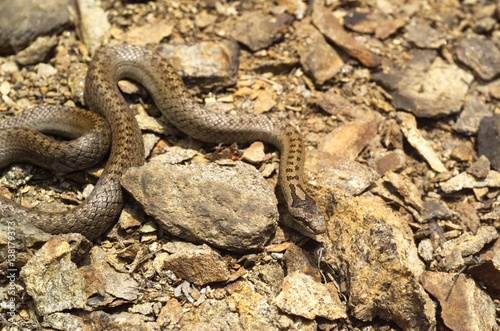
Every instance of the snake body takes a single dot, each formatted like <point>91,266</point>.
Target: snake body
<point>102,207</point>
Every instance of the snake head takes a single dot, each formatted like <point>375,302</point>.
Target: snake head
<point>308,219</point>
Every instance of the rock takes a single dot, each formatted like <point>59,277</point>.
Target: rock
<point>434,210</point>
<point>482,56</point>
<point>52,280</point>
<point>347,141</point>
<point>37,51</point>
<point>350,176</point>
<point>422,145</point>
<point>23,21</point>
<point>487,271</point>
<point>480,168</point>
<point>364,227</point>
<point>316,56</point>
<point>424,36</point>
<point>104,286</point>
<point>426,86</point>
<point>465,180</point>
<point>334,103</point>
<point>329,25</point>
<point>298,261</point>
<point>467,244</point>
<point>244,308</point>
<point>230,207</point>
<point>470,117</point>
<point>302,295</point>
<point>149,33</point>
<point>119,321</point>
<point>389,161</point>
<point>463,305</point>
<point>94,24</point>
<point>369,22</point>
<point>254,153</point>
<point>257,30</point>
<point>200,265</point>
<point>488,140</point>
<point>206,64</point>
<point>408,190</point>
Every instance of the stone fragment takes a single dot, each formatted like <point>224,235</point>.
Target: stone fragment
<point>23,21</point>
<point>434,210</point>
<point>94,24</point>
<point>426,86</point>
<point>298,261</point>
<point>423,146</point>
<point>488,140</point>
<point>119,321</point>
<point>200,265</point>
<point>408,190</point>
<point>254,153</point>
<point>205,64</point>
<point>149,33</point>
<point>468,244</point>
<point>368,22</point>
<point>257,30</point>
<point>230,207</point>
<point>481,55</point>
<point>316,55</point>
<point>64,321</point>
<point>105,286</point>
<point>465,180</point>
<point>480,168</point>
<point>424,36</point>
<point>463,305</point>
<point>37,51</point>
<point>334,103</point>
<point>350,176</point>
<point>467,213</point>
<point>389,161</point>
<point>487,271</point>
<point>470,117</point>
<point>364,226</point>
<point>303,296</point>
<point>53,280</point>
<point>329,25</point>
<point>347,141</point>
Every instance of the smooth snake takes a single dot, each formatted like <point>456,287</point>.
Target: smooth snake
<point>102,207</point>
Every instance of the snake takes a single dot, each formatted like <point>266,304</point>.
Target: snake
<point>101,208</point>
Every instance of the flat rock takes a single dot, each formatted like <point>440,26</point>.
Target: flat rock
<point>488,140</point>
<point>230,207</point>
<point>316,56</point>
<point>94,24</point>
<point>257,30</point>
<point>426,86</point>
<point>302,295</point>
<point>472,114</point>
<point>331,28</point>
<point>53,280</point>
<point>481,55</point>
<point>206,64</point>
<point>22,21</point>
<point>364,227</point>
<point>424,36</point>
<point>196,264</point>
<point>104,286</point>
<point>464,306</point>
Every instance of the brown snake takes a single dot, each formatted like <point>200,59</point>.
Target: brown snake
<point>102,207</point>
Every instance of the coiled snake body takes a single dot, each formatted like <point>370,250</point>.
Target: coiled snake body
<point>102,207</point>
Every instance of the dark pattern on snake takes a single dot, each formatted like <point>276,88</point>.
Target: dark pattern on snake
<point>101,209</point>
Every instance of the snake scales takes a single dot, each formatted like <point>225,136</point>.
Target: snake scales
<point>101,208</point>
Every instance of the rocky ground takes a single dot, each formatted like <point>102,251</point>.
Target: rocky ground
<point>396,102</point>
